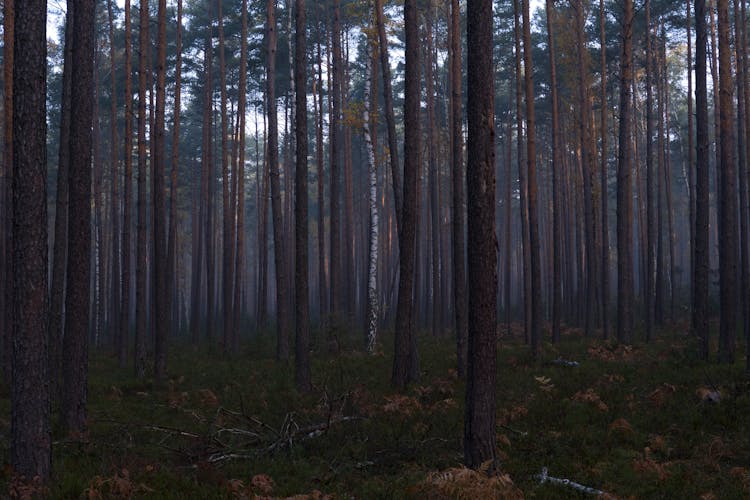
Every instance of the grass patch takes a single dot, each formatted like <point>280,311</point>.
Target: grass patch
<point>631,421</point>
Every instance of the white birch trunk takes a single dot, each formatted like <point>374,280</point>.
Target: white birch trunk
<point>372,270</point>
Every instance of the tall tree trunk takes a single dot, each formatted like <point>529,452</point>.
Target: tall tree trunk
<point>434,173</point>
<point>240,231</point>
<point>479,414</point>
<point>282,297</point>
<point>263,237</point>
<point>31,436</point>
<point>701,234</point>
<point>322,281</point>
<point>334,153</point>
<point>405,362</point>
<point>6,312</point>
<point>208,190</point>
<point>624,184</point>
<point>728,227</point>
<point>302,296</point>
<point>171,280</point>
<point>522,175</point>
<point>650,299</point>
<point>459,178</point>
<point>389,115</point>
<point>534,244</point>
<point>75,342</point>
<point>584,131</point>
<point>115,201</point>
<point>227,215</point>
<point>122,350</point>
<point>691,142</point>
<point>739,30</point>
<point>556,166</point>
<point>604,175</point>
<point>60,249</point>
<point>369,124</point>
<point>141,310</point>
<point>161,309</point>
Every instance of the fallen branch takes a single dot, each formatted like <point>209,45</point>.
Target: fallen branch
<point>564,362</point>
<point>544,477</point>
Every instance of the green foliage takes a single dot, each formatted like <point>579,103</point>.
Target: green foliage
<point>627,420</point>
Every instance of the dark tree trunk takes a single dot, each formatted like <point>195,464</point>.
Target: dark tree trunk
<point>6,297</point>
<point>739,30</point>
<point>459,178</point>
<point>389,115</point>
<point>208,189</point>
<point>522,175</point>
<point>702,193</point>
<point>282,297</point>
<point>334,153</point>
<point>691,142</point>
<point>141,307</point>
<point>534,243</point>
<point>114,291</point>
<point>479,417</point>
<point>728,227</point>
<point>405,362</point>
<point>556,166</point>
<point>584,131</point>
<point>240,231</point>
<point>322,281</point>
<point>651,231</point>
<point>171,280</point>
<point>160,290</point>
<point>433,173</point>
<point>60,249</point>
<point>227,215</point>
<point>30,399</point>
<point>302,301</point>
<point>75,343</point>
<point>604,177</point>
<point>624,184</point>
<point>123,336</point>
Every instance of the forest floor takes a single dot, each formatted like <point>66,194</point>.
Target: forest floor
<point>644,421</point>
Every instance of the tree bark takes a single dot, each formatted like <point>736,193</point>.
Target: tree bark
<point>405,362</point>
<point>122,350</point>
<point>322,278</point>
<point>160,290</point>
<point>171,279</point>
<point>282,315</point>
<point>522,175</point>
<point>75,342</point>
<point>302,296</point>
<point>389,115</point>
<point>334,153</point>
<point>227,215</point>
<point>604,175</point>
<point>60,249</point>
<point>240,231</point>
<point>701,233</point>
<point>141,308</point>
<point>459,178</point>
<point>728,227</point>
<point>534,243</point>
<point>624,184</point>
<point>372,170</point>
<point>114,291</point>
<point>556,166</point>
<point>31,434</point>
<point>479,414</point>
